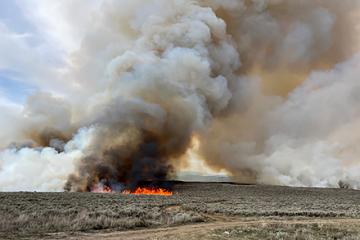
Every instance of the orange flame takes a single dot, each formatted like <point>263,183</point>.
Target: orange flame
<point>149,191</point>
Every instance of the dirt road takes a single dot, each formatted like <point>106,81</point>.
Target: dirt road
<point>224,229</point>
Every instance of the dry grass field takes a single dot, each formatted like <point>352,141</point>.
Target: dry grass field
<point>195,211</point>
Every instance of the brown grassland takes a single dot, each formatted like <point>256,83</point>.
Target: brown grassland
<point>195,211</point>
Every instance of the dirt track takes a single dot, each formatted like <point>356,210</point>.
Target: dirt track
<point>207,230</point>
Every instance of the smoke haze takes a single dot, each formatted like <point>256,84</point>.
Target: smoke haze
<point>268,89</point>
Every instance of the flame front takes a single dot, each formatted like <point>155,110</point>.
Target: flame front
<point>149,191</point>
<point>102,188</point>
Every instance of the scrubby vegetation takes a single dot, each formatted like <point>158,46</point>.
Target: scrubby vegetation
<point>286,231</point>
<point>35,214</point>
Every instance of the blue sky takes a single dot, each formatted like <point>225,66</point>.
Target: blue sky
<point>37,37</point>
<point>13,83</point>
<point>13,17</point>
<point>13,87</point>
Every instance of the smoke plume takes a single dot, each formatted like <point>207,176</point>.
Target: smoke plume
<point>269,88</point>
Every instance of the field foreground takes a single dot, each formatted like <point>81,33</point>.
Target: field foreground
<point>195,211</point>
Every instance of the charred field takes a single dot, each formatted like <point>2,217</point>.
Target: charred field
<point>194,211</point>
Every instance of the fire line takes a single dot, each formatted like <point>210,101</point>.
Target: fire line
<point>149,191</point>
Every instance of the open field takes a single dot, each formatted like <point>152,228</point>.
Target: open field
<point>195,211</point>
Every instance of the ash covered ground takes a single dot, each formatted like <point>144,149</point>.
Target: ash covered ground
<point>195,211</point>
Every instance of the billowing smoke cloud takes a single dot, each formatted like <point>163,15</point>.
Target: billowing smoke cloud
<point>269,88</point>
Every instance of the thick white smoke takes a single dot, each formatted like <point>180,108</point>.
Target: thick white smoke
<point>269,88</point>
<point>41,169</point>
<point>313,138</point>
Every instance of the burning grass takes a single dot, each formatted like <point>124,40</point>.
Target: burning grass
<point>149,191</point>
<point>102,188</point>
<point>34,214</point>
